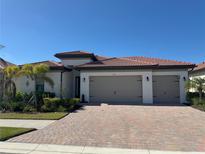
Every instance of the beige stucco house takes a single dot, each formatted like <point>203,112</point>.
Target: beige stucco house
<point>129,80</point>
<point>197,72</point>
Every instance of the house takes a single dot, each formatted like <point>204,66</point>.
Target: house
<point>197,72</point>
<point>3,64</point>
<point>131,80</point>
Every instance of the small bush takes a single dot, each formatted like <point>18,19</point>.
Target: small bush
<point>48,95</point>
<point>17,106</point>
<point>59,105</point>
<point>5,106</point>
<point>51,104</point>
<point>19,96</point>
<point>61,109</point>
<point>29,108</point>
<point>73,102</point>
<point>198,103</point>
<point>12,106</point>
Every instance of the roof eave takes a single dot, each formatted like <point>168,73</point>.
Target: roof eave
<point>137,67</point>
<point>63,56</point>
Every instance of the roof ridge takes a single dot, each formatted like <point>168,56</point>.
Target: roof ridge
<point>54,62</point>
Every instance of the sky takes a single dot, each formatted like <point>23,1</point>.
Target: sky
<point>34,30</point>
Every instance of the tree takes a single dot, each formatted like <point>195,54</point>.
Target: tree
<point>198,84</point>
<point>10,72</point>
<point>36,72</point>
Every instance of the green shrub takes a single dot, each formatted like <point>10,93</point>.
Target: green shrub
<point>59,105</point>
<point>73,102</point>
<point>61,109</point>
<point>48,95</point>
<point>12,106</point>
<point>198,103</point>
<point>29,108</point>
<point>5,106</point>
<point>17,106</point>
<point>51,104</point>
<point>19,96</point>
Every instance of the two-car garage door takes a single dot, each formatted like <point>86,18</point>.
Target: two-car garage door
<point>128,89</point>
<point>116,89</point>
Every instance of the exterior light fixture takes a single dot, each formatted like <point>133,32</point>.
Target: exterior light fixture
<point>83,79</point>
<point>184,78</point>
<point>147,78</point>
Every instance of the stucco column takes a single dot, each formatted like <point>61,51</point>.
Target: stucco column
<point>182,82</point>
<point>84,86</point>
<point>147,92</point>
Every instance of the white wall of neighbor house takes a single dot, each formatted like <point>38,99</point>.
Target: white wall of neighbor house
<point>198,74</point>
<point>146,80</point>
<point>75,61</point>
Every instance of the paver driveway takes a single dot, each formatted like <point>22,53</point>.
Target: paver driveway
<point>151,127</point>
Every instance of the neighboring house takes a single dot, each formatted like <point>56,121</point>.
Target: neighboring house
<point>197,72</point>
<point>130,80</point>
<point>3,64</point>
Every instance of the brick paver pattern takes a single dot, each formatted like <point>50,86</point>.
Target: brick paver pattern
<point>126,126</point>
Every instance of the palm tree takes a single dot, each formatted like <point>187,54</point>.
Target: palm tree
<point>198,84</point>
<point>10,72</point>
<point>36,72</point>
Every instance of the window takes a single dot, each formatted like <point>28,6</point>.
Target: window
<point>39,85</point>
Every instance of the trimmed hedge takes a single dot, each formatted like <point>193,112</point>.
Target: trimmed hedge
<point>59,105</point>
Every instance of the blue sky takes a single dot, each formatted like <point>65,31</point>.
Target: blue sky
<point>34,30</point>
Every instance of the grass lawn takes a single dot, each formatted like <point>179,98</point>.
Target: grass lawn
<point>9,132</point>
<point>34,116</point>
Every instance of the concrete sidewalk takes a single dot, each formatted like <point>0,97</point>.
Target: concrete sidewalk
<point>22,148</point>
<point>38,124</point>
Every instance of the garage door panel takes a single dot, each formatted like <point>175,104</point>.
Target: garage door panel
<point>118,89</point>
<point>166,89</point>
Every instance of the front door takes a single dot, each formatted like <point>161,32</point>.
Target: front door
<point>77,86</point>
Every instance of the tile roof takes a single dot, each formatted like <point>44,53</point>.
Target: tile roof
<point>73,54</point>
<point>158,60</point>
<point>51,64</point>
<point>4,63</point>
<point>200,66</point>
<point>136,61</point>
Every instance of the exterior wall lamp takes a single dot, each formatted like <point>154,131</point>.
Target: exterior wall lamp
<point>147,78</point>
<point>184,78</point>
<point>83,79</point>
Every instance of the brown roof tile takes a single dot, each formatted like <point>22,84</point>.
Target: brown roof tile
<point>4,63</point>
<point>52,64</point>
<point>136,61</point>
<point>200,66</point>
<point>74,54</point>
<point>159,61</point>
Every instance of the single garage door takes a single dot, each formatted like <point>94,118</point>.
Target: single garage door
<point>116,89</point>
<point>166,89</point>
